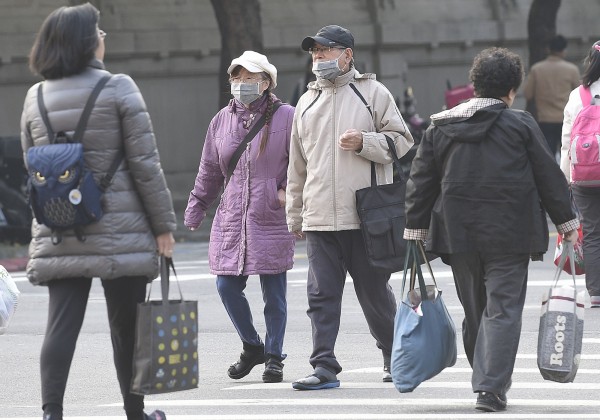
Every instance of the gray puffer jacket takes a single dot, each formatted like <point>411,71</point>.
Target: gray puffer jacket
<point>137,205</point>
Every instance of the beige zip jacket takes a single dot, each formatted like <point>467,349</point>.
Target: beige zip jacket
<point>323,178</point>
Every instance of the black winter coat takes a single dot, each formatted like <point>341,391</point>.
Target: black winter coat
<point>481,183</point>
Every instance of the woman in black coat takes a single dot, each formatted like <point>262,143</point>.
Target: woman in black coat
<point>478,187</point>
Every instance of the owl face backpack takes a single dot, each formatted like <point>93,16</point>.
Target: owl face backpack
<point>62,191</point>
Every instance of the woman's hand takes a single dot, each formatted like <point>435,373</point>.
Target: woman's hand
<point>165,243</point>
<point>281,197</point>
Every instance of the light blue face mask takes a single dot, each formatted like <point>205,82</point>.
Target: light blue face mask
<point>246,93</point>
<point>327,69</point>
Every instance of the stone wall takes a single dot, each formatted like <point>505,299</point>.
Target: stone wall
<point>171,48</point>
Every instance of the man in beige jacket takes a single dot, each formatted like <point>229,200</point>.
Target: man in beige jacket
<point>549,84</point>
<point>340,126</point>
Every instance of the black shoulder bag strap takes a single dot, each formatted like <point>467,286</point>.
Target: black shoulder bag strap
<point>81,126</point>
<point>390,142</point>
<point>242,147</point>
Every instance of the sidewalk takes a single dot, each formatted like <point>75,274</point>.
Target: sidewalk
<point>14,256</point>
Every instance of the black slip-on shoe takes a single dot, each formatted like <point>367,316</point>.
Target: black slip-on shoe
<point>387,375</point>
<point>250,357</point>
<point>273,371</point>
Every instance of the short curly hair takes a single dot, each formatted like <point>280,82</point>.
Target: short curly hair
<point>495,72</point>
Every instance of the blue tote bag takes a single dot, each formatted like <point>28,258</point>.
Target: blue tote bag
<point>424,333</point>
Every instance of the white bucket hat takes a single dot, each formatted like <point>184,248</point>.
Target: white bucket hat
<point>255,63</point>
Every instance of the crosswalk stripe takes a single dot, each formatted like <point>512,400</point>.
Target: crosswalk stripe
<point>400,401</point>
<point>430,384</point>
<point>346,416</point>
<point>580,282</point>
<point>453,370</point>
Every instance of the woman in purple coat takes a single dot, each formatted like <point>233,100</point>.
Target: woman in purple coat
<point>249,233</point>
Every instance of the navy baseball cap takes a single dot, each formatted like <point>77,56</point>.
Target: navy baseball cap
<point>330,36</point>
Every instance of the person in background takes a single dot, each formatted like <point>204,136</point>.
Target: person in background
<point>122,247</point>
<point>548,84</point>
<point>340,127</point>
<point>586,198</point>
<point>477,191</point>
<point>302,84</point>
<point>249,235</point>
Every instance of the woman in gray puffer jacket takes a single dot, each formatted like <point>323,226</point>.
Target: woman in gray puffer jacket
<point>122,247</point>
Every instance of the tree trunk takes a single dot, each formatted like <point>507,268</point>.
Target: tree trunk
<point>241,29</point>
<point>541,27</point>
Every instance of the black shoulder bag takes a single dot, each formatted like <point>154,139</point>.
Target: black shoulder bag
<point>381,212</point>
<point>242,147</point>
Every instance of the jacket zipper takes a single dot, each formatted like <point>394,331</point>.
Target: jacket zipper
<point>246,200</point>
<point>333,157</point>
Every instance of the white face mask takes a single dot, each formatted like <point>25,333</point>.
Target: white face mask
<point>327,69</point>
<point>246,93</point>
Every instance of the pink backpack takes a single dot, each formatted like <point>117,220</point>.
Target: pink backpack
<point>585,143</point>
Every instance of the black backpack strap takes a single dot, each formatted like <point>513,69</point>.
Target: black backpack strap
<point>44,112</point>
<point>87,110</point>
<point>242,146</point>
<point>82,124</point>
<point>107,178</point>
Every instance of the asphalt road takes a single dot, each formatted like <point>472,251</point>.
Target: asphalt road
<point>92,391</point>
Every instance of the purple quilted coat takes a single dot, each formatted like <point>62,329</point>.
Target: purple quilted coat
<point>249,234</point>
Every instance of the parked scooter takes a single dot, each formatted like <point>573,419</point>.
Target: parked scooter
<point>15,214</point>
<point>416,126</point>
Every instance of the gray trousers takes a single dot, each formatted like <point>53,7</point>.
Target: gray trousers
<point>588,202</point>
<point>492,289</point>
<point>330,256</point>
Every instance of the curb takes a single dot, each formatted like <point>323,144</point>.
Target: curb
<point>14,264</point>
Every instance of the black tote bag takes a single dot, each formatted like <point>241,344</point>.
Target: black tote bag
<point>165,356</point>
<point>381,212</point>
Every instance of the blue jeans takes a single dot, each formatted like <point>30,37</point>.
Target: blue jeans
<point>274,288</point>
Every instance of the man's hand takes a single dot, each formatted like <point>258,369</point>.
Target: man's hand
<point>351,140</point>
<point>298,234</point>
<point>571,236</point>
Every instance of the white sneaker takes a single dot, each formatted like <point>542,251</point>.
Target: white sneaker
<point>595,301</point>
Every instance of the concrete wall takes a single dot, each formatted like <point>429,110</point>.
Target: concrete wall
<point>171,48</point>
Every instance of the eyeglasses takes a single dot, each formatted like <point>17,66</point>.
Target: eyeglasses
<point>101,33</point>
<point>245,80</point>
<point>322,50</point>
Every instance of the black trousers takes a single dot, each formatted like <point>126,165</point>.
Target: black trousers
<point>330,256</point>
<point>553,133</point>
<point>588,203</point>
<point>66,310</point>
<point>492,289</point>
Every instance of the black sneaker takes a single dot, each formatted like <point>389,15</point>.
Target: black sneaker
<point>273,370</point>
<point>487,401</point>
<point>250,357</point>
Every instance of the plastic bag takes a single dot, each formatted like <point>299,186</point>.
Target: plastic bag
<point>577,250</point>
<point>9,298</point>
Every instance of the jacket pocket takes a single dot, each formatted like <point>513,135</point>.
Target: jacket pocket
<point>271,195</point>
